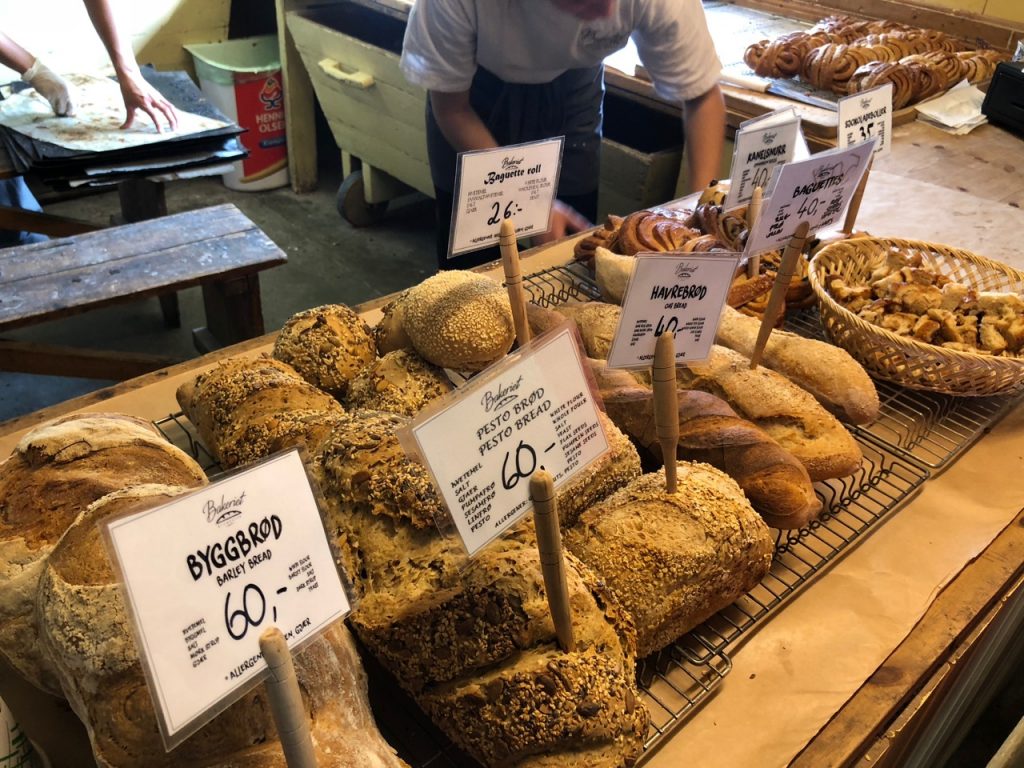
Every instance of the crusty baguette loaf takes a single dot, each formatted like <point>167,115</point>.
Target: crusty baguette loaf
<point>327,346</point>
<point>246,396</point>
<point>458,320</point>
<point>445,629</point>
<point>85,626</point>
<point>776,483</point>
<point>55,472</point>
<point>786,412</point>
<point>674,560</point>
<point>829,373</point>
<point>399,382</point>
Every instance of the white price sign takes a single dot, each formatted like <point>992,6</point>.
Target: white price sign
<point>516,182</point>
<point>679,293</point>
<point>865,116</point>
<point>761,144</point>
<point>816,190</point>
<point>534,411</point>
<point>207,573</point>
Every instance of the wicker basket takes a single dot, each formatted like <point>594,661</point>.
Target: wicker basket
<point>905,360</point>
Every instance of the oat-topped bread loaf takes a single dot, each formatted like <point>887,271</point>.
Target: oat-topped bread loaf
<point>55,472</point>
<point>442,628</point>
<point>327,345</point>
<point>458,320</point>
<point>597,322</point>
<point>399,382</point>
<point>236,406</point>
<point>674,560</point>
<point>86,628</point>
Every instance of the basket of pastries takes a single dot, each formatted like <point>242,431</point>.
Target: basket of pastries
<point>924,315</point>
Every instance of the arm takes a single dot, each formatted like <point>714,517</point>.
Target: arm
<point>704,130</point>
<point>46,82</point>
<point>459,122</point>
<point>14,56</point>
<point>137,93</point>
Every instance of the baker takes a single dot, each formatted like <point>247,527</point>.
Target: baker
<point>503,72</point>
<point>137,93</point>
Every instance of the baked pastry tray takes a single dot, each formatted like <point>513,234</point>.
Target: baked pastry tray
<point>916,435</point>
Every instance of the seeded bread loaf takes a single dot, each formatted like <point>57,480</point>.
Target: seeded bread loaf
<point>55,472</point>
<point>327,346</point>
<point>674,560</point>
<point>828,372</point>
<point>86,628</point>
<point>776,483</point>
<point>399,382</point>
<point>458,320</point>
<point>244,394</point>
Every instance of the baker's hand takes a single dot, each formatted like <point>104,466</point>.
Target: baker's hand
<point>50,86</point>
<point>564,221</point>
<point>138,94</point>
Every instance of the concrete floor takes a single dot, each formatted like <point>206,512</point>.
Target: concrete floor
<point>328,261</point>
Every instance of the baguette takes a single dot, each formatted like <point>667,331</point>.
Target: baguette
<point>829,373</point>
<point>776,483</point>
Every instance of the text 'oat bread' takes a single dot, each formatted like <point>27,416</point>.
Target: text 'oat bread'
<point>85,625</point>
<point>327,346</point>
<point>459,320</point>
<point>674,560</point>
<point>54,473</point>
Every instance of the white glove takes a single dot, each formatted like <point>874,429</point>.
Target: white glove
<point>50,86</point>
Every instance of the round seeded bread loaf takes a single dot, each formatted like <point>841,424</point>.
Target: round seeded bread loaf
<point>327,345</point>
<point>459,320</point>
<point>399,382</point>
<point>85,625</point>
<point>55,472</point>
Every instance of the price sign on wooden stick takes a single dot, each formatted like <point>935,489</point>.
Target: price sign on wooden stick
<point>514,281</point>
<point>787,268</point>
<point>552,559</point>
<point>666,405</point>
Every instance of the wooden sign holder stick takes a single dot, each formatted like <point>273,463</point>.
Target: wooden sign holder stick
<point>666,405</point>
<point>514,280</point>
<point>286,701</point>
<point>753,214</point>
<point>787,268</point>
<point>858,196</point>
<point>552,562</point>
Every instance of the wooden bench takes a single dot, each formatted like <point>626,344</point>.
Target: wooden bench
<point>217,248</point>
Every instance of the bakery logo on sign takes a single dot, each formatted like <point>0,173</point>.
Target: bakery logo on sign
<point>502,396</point>
<point>768,137</point>
<point>224,511</point>
<point>686,271</point>
<point>865,103</point>
<point>511,163</point>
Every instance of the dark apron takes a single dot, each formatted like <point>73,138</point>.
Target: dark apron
<point>570,106</point>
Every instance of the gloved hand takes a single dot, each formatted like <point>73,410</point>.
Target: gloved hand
<point>50,86</point>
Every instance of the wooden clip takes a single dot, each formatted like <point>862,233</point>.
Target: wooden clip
<point>286,701</point>
<point>552,561</point>
<point>858,196</point>
<point>777,298</point>
<point>514,280</point>
<point>666,405</point>
<point>753,214</point>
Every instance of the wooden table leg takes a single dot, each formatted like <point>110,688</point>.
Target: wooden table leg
<point>234,312</point>
<point>143,199</point>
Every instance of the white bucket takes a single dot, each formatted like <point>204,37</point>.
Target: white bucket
<point>242,78</point>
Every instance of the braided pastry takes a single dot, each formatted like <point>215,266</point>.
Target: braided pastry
<point>585,248</point>
<point>831,66</point>
<point>651,231</point>
<point>947,64</point>
<point>927,78</point>
<point>876,73</point>
<point>979,66</point>
<point>703,244</point>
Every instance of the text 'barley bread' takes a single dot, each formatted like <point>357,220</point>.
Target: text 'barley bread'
<point>674,560</point>
<point>54,473</point>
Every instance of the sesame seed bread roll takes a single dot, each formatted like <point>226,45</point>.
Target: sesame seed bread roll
<point>327,346</point>
<point>674,560</point>
<point>85,625</point>
<point>459,320</point>
<point>54,473</point>
<point>828,372</point>
<point>399,382</point>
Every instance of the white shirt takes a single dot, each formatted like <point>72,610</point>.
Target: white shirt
<point>532,41</point>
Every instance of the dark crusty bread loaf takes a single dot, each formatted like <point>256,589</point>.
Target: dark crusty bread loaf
<point>85,626</point>
<point>673,560</point>
<point>55,472</point>
<point>828,372</point>
<point>327,346</point>
<point>776,483</point>
<point>442,628</point>
<point>399,382</point>
<point>244,395</point>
